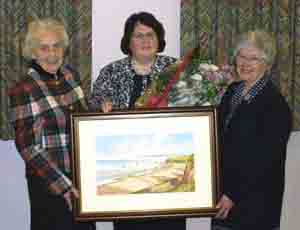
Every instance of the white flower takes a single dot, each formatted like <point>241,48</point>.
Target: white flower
<point>208,67</point>
<point>183,101</point>
<point>197,77</point>
<point>181,84</point>
<point>204,84</point>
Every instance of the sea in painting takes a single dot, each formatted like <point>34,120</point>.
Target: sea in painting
<point>148,163</point>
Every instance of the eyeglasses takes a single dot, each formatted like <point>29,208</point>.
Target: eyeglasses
<point>48,48</point>
<point>249,60</point>
<point>140,36</point>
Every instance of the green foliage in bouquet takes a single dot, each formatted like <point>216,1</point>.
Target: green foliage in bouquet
<point>188,82</point>
<point>161,80</point>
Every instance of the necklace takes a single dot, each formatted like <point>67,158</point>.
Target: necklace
<point>141,69</point>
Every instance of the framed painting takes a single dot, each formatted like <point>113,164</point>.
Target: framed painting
<point>146,163</point>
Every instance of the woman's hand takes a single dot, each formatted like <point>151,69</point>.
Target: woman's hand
<point>73,193</point>
<point>106,106</point>
<point>224,205</point>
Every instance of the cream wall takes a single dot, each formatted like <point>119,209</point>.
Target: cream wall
<point>291,215</point>
<point>14,204</point>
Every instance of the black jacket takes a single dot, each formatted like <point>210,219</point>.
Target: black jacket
<point>253,157</point>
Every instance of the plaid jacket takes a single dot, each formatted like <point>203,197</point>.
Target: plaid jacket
<point>40,107</point>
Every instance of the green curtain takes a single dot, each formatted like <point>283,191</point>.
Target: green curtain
<point>14,17</point>
<point>215,25</point>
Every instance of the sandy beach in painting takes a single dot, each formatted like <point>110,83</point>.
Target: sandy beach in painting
<point>175,174</point>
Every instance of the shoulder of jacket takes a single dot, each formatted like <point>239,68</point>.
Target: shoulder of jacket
<point>117,64</point>
<point>233,86</point>
<point>26,84</point>
<point>70,74</point>
<point>272,91</point>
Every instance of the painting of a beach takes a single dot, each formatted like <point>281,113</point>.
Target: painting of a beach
<point>145,163</point>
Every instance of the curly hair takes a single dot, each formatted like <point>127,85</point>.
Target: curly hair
<point>45,24</point>
<point>260,39</point>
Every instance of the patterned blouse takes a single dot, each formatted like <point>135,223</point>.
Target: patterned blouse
<point>40,108</point>
<point>116,82</point>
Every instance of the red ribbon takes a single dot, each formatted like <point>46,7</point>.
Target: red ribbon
<point>161,100</point>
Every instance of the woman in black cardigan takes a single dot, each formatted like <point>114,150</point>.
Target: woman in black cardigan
<point>256,123</point>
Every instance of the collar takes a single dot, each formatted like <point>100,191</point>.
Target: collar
<point>44,75</point>
<point>256,88</point>
<point>154,69</point>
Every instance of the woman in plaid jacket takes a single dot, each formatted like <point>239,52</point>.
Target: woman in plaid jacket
<point>40,108</point>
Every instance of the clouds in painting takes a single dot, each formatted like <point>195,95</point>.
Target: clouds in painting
<point>143,145</point>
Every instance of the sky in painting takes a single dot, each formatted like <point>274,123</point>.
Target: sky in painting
<point>143,145</point>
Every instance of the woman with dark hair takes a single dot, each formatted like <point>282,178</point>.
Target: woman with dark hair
<point>122,82</point>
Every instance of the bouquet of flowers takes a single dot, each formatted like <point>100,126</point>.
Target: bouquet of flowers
<point>204,84</point>
<point>187,82</point>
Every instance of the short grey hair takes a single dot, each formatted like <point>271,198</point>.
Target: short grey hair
<point>261,40</point>
<point>46,24</point>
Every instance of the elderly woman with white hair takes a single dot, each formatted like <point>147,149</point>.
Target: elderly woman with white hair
<point>255,123</point>
<point>40,106</point>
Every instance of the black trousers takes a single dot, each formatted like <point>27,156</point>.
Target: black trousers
<point>50,212</point>
<point>151,224</point>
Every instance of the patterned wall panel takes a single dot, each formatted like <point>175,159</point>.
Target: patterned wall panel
<point>221,21</point>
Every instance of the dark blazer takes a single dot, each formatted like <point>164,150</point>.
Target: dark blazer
<point>253,157</point>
